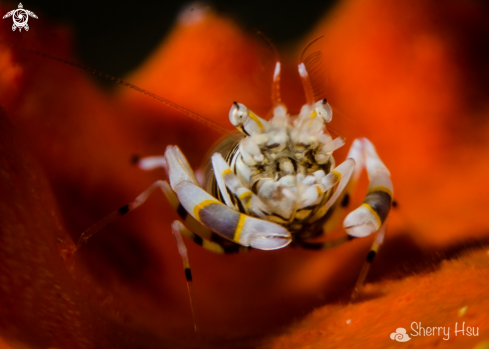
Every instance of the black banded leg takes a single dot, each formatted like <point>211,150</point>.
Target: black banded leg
<point>372,214</point>
<point>178,230</point>
<point>119,213</point>
<point>215,244</point>
<point>201,230</point>
<point>379,239</point>
<point>182,250</point>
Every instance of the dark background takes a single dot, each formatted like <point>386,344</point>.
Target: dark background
<point>114,37</point>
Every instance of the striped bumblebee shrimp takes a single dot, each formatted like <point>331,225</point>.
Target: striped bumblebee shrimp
<point>274,184</point>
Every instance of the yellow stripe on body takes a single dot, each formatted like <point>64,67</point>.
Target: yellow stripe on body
<point>373,212</point>
<point>213,247</point>
<point>245,195</point>
<point>338,174</point>
<point>202,205</point>
<point>381,188</point>
<point>245,198</point>
<point>319,190</point>
<point>255,118</point>
<point>239,228</point>
<point>314,114</point>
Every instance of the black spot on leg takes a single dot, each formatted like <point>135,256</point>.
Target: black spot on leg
<point>198,240</point>
<point>346,200</point>
<point>232,249</point>
<point>123,210</point>
<point>371,256</point>
<point>394,204</point>
<point>188,274</point>
<point>182,212</point>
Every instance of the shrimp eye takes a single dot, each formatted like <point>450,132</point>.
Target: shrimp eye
<point>238,114</point>
<point>323,110</point>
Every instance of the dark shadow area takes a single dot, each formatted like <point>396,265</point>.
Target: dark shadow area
<point>400,258</point>
<point>114,37</point>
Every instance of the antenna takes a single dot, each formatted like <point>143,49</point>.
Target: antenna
<point>175,106</point>
<point>305,77</point>
<point>276,99</point>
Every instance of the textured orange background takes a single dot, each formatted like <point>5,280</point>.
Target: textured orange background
<point>412,76</point>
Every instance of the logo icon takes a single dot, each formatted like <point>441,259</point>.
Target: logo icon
<point>20,17</point>
<point>400,335</point>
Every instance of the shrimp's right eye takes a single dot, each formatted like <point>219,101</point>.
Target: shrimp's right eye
<point>323,110</point>
<point>238,114</point>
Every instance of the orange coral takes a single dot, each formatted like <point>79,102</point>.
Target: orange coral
<point>454,295</point>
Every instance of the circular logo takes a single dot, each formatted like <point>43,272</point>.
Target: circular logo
<point>20,17</point>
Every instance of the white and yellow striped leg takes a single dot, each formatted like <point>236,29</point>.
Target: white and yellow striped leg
<point>218,247</point>
<point>372,213</point>
<point>237,227</point>
<point>152,162</point>
<point>198,233</point>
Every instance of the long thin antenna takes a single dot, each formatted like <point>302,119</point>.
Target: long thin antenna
<point>276,98</point>
<point>175,106</point>
<point>306,80</point>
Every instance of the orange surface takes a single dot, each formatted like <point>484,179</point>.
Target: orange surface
<point>450,294</point>
<point>411,76</point>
